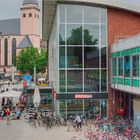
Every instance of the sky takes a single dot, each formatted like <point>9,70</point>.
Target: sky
<point>10,9</point>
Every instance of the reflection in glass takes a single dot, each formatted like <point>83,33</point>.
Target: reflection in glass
<point>62,81</point>
<point>103,35</point>
<point>74,14</point>
<point>74,57</point>
<point>62,57</point>
<point>103,108</point>
<point>127,66</point>
<point>103,58</point>
<point>62,34</point>
<point>91,34</point>
<point>91,14</point>
<point>91,57</point>
<point>62,13</point>
<point>114,66</point>
<point>74,81</point>
<point>135,63</point>
<point>92,108</point>
<point>103,14</point>
<point>91,81</point>
<point>120,66</point>
<point>74,107</point>
<point>63,108</point>
<point>74,34</point>
<point>103,81</point>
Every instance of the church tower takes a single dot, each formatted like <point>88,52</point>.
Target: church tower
<point>30,21</point>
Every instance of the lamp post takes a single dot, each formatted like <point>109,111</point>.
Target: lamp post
<point>114,100</point>
<point>52,98</point>
<point>13,73</point>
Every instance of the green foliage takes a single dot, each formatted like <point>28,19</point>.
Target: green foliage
<point>76,37</point>
<point>30,57</point>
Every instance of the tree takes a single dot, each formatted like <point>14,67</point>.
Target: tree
<point>30,57</point>
<point>76,37</point>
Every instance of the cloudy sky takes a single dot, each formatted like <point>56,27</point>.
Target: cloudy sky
<point>11,8</point>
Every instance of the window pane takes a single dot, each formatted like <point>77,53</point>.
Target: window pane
<point>74,14</point>
<point>103,35</point>
<point>6,52</point>
<point>103,81</point>
<point>62,81</point>
<point>91,14</point>
<point>120,66</point>
<point>63,108</point>
<point>74,57</point>
<point>62,57</point>
<point>127,66</point>
<point>14,51</point>
<point>91,81</point>
<point>92,108</point>
<point>103,108</point>
<point>74,83</point>
<point>91,57</point>
<point>114,66</point>
<point>74,34</point>
<point>62,13</point>
<point>103,57</point>
<point>103,13</point>
<point>135,63</point>
<point>91,34</point>
<point>62,34</point>
<point>74,107</point>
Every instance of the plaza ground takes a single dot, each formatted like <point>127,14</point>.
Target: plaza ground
<point>20,130</point>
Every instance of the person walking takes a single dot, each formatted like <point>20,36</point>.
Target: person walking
<point>8,112</point>
<point>78,122</point>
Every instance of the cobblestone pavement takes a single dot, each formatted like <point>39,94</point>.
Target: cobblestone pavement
<point>20,130</point>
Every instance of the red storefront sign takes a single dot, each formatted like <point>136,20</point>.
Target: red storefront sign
<point>83,96</point>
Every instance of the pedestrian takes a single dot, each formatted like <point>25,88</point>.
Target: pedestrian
<point>78,121</point>
<point>8,112</point>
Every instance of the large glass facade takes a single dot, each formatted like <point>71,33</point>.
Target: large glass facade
<point>90,108</point>
<point>82,49</point>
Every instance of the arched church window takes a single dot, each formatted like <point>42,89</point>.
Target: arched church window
<point>24,15</point>
<point>30,14</point>
<point>14,51</point>
<point>6,52</point>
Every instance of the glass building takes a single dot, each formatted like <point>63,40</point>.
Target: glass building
<point>78,60</point>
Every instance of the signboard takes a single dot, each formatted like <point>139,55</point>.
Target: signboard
<point>83,96</point>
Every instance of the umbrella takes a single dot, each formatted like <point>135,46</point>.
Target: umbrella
<point>10,93</point>
<point>36,98</point>
<point>41,79</point>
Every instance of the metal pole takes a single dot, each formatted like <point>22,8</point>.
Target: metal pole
<point>13,73</point>
<point>34,74</point>
<point>52,99</point>
<point>114,102</point>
